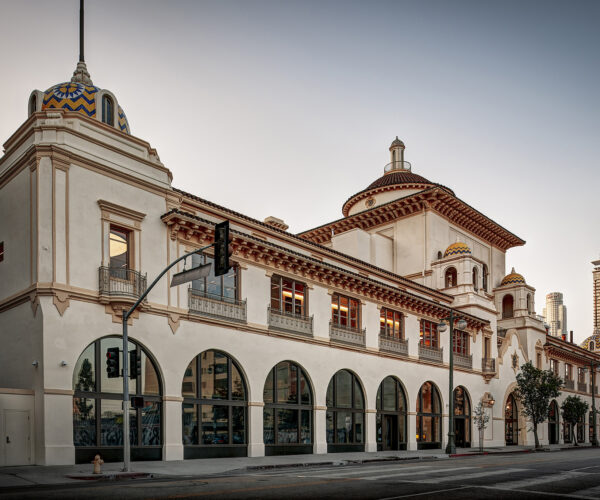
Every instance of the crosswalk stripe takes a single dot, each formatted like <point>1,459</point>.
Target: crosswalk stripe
<point>548,478</point>
<point>468,477</point>
<point>404,474</point>
<point>362,470</point>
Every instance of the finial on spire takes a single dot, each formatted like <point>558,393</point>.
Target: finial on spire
<point>81,74</point>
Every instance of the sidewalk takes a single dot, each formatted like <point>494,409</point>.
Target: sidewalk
<point>31,475</point>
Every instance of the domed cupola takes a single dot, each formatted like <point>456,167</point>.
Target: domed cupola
<point>80,95</point>
<point>397,181</point>
<point>458,248</point>
<point>513,279</point>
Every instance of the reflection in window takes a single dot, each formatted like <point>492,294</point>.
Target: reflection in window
<point>288,406</point>
<point>391,324</point>
<point>460,342</point>
<point>288,296</point>
<point>429,336</point>
<point>391,415</point>
<point>223,288</point>
<point>428,417</point>
<point>214,401</point>
<point>345,409</point>
<point>119,245</point>
<point>345,311</point>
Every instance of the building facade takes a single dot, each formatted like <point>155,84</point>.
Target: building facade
<point>315,342</point>
<point>555,314</point>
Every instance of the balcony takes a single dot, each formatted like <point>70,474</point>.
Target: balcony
<point>581,386</point>
<point>463,361</point>
<point>120,285</point>
<point>488,365</point>
<point>569,384</point>
<point>214,306</point>
<point>290,322</point>
<point>347,334</point>
<point>393,344</point>
<point>433,354</point>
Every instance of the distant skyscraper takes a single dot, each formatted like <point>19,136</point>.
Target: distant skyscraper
<point>556,313</point>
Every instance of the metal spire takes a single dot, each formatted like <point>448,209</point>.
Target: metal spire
<point>81,74</point>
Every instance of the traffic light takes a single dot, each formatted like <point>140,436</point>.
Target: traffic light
<point>137,401</point>
<point>223,248</point>
<point>135,364</point>
<point>112,362</point>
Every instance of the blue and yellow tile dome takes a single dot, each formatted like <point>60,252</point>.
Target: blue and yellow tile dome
<point>458,248</point>
<point>513,279</point>
<point>592,343</point>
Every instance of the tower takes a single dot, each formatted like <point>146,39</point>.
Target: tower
<point>556,314</point>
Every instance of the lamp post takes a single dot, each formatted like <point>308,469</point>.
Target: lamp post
<point>593,370</point>
<point>461,324</point>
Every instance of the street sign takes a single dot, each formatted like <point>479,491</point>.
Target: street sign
<point>191,275</point>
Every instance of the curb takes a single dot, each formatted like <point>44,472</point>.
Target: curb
<point>109,476</point>
<point>343,462</point>
<point>490,453</point>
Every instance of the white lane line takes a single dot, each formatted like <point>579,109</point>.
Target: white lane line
<point>548,478</point>
<point>362,470</point>
<point>468,477</point>
<point>593,492</point>
<point>410,495</point>
<point>403,474</point>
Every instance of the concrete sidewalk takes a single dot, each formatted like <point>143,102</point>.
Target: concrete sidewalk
<point>32,475</point>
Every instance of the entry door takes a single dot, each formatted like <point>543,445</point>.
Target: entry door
<point>17,441</point>
<point>390,432</point>
<point>459,432</point>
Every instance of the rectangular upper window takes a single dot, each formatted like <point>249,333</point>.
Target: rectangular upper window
<point>215,287</point>
<point>288,296</point>
<point>391,323</point>
<point>580,375</point>
<point>554,366</point>
<point>460,342</point>
<point>428,336</point>
<point>345,311</point>
<point>119,250</point>
<point>568,371</point>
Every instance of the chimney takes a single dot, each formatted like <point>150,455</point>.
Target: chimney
<point>571,336</point>
<point>276,223</point>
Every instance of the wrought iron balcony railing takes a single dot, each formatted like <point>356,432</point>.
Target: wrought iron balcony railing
<point>215,306</point>
<point>569,384</point>
<point>290,322</point>
<point>488,365</point>
<point>347,334</point>
<point>463,361</point>
<point>122,283</point>
<point>393,344</point>
<point>582,386</point>
<point>397,165</point>
<point>434,354</point>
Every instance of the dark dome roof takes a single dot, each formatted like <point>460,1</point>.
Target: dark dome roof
<point>400,177</point>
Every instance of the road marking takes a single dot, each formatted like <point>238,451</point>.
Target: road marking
<point>425,493</point>
<point>589,492</point>
<point>402,474</point>
<point>367,471</point>
<point>548,478</point>
<point>467,477</point>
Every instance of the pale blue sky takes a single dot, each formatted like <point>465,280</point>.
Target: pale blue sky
<point>287,108</point>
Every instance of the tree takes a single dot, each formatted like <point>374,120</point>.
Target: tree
<point>481,419</point>
<point>85,382</point>
<point>535,389</point>
<point>574,410</point>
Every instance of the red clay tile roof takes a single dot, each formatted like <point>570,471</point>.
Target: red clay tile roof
<point>398,178</point>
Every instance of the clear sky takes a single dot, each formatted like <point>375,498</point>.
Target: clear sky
<point>287,108</point>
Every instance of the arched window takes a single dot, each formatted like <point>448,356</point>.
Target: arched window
<point>475,279</point>
<point>591,345</point>
<point>391,415</point>
<point>553,427</point>
<point>97,405</point>
<point>32,104</point>
<point>511,421</point>
<point>450,277</point>
<point>529,305</point>
<point>484,278</point>
<point>507,306</point>
<point>429,417</point>
<point>462,418</point>
<point>345,413</point>
<point>214,407</point>
<point>287,417</point>
<point>440,255</point>
<point>108,110</point>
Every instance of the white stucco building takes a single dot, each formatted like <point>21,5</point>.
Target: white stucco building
<point>321,341</point>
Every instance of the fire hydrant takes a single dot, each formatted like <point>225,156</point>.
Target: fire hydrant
<point>97,463</point>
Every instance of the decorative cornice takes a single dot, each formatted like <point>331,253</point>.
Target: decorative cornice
<point>561,349</point>
<point>120,210</point>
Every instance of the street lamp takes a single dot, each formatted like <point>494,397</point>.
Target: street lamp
<point>593,370</point>
<point>461,324</point>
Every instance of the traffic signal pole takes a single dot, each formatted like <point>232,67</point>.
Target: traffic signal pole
<point>126,314</point>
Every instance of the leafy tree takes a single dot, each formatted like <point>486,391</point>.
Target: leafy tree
<point>535,389</point>
<point>574,410</point>
<point>481,419</point>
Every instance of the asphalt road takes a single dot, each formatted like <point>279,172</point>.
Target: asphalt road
<point>570,474</point>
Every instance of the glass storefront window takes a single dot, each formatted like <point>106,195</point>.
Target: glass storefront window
<point>345,409</point>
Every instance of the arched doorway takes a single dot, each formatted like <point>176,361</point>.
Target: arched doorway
<point>345,413</point>
<point>98,411</point>
<point>553,427</point>
<point>287,417</point>
<point>462,418</point>
<point>214,410</point>
<point>511,421</point>
<point>429,417</point>
<point>391,415</point>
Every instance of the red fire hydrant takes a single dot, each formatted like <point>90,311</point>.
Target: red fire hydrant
<point>97,463</point>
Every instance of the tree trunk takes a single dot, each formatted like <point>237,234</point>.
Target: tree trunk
<point>575,435</point>
<point>535,435</point>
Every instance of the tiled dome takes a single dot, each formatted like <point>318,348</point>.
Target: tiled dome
<point>397,178</point>
<point>512,279</point>
<point>458,248</point>
<point>592,343</point>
